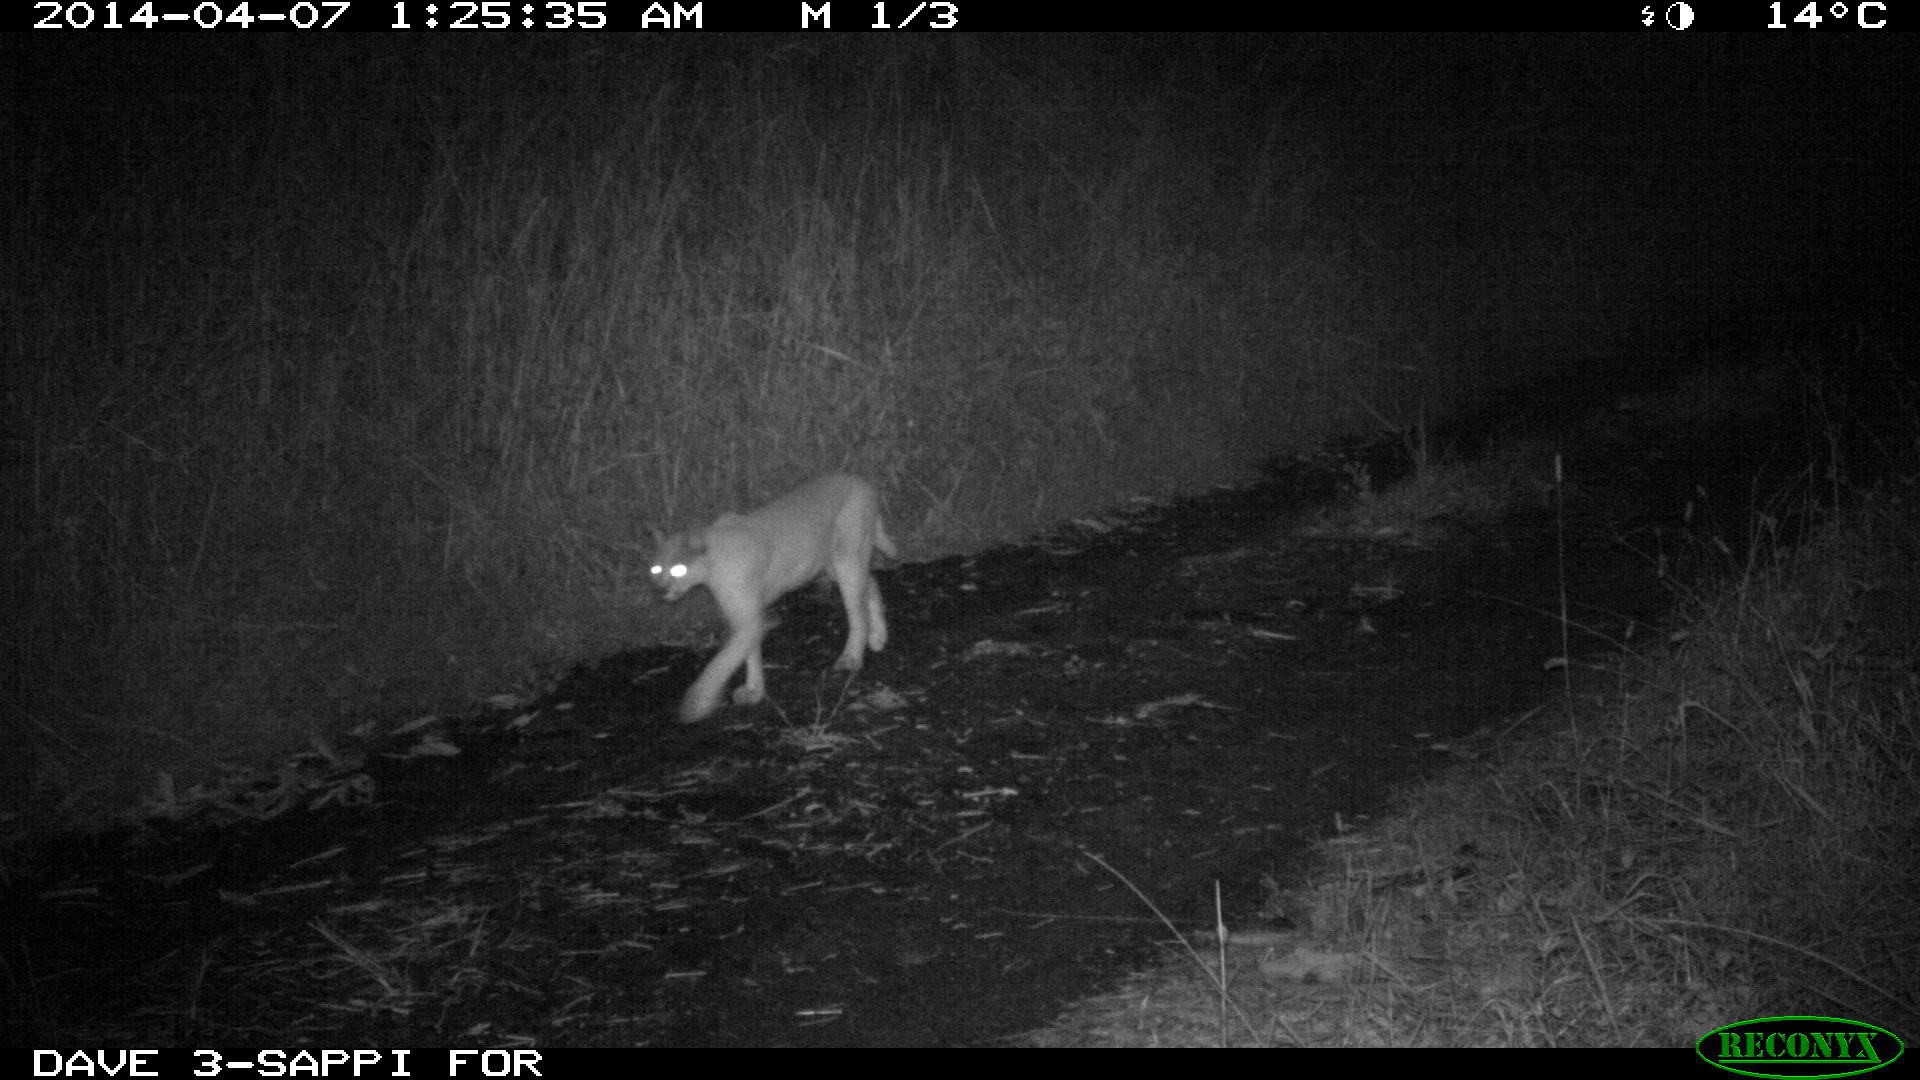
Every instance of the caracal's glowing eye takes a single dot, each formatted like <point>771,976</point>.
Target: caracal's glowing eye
<point>679,570</point>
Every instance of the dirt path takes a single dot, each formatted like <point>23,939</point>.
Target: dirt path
<point>1189,694</point>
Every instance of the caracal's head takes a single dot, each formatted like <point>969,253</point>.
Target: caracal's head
<point>679,563</point>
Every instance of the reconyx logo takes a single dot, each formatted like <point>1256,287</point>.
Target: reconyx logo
<point>1799,1047</point>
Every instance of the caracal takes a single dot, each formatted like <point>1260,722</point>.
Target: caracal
<point>828,526</point>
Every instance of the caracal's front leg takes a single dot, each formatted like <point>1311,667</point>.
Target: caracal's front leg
<point>754,690</point>
<point>746,625</point>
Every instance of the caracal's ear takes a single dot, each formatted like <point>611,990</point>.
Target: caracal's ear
<point>659,537</point>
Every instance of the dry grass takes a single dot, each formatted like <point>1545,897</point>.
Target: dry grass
<point>340,413</point>
<point>1718,829</point>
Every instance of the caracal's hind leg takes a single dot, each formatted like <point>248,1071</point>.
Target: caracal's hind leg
<point>876,616</point>
<point>853,591</point>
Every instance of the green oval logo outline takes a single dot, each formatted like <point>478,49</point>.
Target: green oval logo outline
<point>1829,1047</point>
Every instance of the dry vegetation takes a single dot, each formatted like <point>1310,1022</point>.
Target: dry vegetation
<point>1718,828</point>
<point>351,383</point>
<point>320,417</point>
